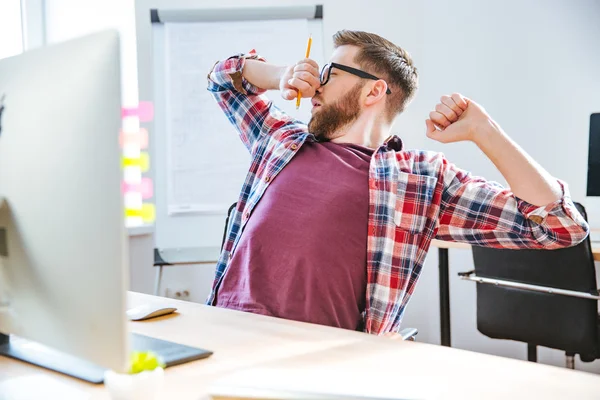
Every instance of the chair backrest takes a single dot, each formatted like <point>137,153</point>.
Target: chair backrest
<point>229,211</point>
<point>550,320</point>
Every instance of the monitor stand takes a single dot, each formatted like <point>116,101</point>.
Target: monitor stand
<point>46,357</point>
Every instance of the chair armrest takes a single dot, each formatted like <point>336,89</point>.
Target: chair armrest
<point>471,276</point>
<point>409,333</point>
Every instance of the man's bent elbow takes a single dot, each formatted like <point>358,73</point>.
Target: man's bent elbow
<point>567,236</point>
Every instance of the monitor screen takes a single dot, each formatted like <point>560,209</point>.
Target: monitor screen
<point>593,178</point>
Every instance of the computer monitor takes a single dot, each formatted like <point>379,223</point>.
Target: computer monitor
<point>592,201</point>
<point>593,178</point>
<point>63,241</point>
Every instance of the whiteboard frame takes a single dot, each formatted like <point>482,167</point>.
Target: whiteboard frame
<point>148,12</point>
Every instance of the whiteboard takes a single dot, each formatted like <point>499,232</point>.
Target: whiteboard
<point>198,163</point>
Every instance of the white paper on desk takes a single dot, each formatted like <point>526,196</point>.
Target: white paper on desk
<point>206,161</point>
<point>327,382</point>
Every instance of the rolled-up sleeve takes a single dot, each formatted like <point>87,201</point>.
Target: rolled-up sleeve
<point>479,212</point>
<point>246,106</point>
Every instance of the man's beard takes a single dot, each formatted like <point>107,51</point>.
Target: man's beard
<point>331,117</point>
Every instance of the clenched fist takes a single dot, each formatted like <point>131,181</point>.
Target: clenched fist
<point>457,118</point>
<point>303,76</point>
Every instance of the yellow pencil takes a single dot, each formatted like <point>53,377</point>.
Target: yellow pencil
<point>307,55</point>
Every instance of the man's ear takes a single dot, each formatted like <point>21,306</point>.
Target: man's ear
<point>376,93</point>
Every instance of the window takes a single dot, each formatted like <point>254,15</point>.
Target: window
<point>11,42</point>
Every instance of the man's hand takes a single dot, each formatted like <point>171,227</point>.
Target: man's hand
<point>455,119</point>
<point>303,76</point>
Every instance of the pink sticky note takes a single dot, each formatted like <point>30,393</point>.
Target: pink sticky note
<point>146,188</point>
<point>144,111</point>
<point>129,112</point>
<point>139,139</point>
<point>143,138</point>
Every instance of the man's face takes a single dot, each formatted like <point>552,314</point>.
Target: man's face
<point>337,104</point>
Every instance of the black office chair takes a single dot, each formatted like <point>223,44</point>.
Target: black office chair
<point>406,334</point>
<point>539,297</point>
<point>229,211</point>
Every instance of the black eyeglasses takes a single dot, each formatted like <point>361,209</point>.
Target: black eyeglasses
<point>326,73</point>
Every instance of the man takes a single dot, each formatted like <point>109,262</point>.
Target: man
<point>334,220</point>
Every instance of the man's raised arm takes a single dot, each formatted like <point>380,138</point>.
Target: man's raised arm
<point>239,83</point>
<point>537,211</point>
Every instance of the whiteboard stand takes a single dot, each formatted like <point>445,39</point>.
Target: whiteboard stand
<point>183,256</point>
<point>192,237</point>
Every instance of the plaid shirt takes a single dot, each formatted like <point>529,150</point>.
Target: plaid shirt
<point>414,197</point>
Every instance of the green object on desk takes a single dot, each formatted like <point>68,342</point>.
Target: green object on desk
<point>144,361</point>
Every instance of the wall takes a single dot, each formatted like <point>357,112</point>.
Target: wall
<point>67,19</point>
<point>533,65</point>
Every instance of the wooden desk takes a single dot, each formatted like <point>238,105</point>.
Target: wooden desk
<point>252,349</point>
<point>444,279</point>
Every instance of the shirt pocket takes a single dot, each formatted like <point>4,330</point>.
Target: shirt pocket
<point>414,194</point>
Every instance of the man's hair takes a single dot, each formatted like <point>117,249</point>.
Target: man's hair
<point>384,59</point>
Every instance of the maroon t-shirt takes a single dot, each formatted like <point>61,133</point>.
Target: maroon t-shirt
<point>303,252</point>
